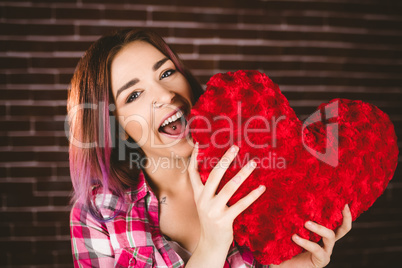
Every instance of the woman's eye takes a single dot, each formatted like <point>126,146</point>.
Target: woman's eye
<point>133,96</point>
<point>168,73</point>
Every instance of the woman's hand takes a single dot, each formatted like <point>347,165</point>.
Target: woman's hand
<point>216,218</point>
<point>317,256</point>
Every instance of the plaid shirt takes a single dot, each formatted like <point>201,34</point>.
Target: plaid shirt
<point>132,237</point>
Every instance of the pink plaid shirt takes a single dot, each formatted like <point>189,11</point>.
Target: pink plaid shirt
<point>132,238</point>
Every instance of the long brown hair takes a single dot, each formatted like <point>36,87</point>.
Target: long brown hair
<point>93,156</point>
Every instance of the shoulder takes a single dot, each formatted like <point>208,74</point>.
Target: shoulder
<point>101,205</point>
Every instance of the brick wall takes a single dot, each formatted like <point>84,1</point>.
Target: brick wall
<point>315,51</point>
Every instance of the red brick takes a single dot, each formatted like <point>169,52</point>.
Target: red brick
<point>54,62</point>
<point>38,257</point>
<point>61,200</point>
<point>27,12</point>
<point>18,200</point>
<point>3,173</point>
<point>65,78</point>
<point>49,125</point>
<point>44,46</point>
<point>53,245</point>
<point>51,156</point>
<point>200,64</point>
<point>219,49</point>
<point>32,110</point>
<point>51,1</point>
<point>337,52</point>
<point>132,15</point>
<point>4,141</point>
<point>14,125</point>
<point>2,110</point>
<point>101,30</point>
<point>77,13</point>
<point>22,246</point>
<point>55,216</point>
<point>72,45</point>
<point>110,1</point>
<point>13,63</point>
<point>12,217</point>
<point>50,95</point>
<point>364,23</point>
<point>31,78</point>
<point>182,48</point>
<point>33,141</point>
<point>13,187</point>
<point>265,18</point>
<point>214,3</point>
<point>16,94</point>
<point>36,29</point>
<point>5,230</point>
<point>217,33</point>
<point>26,45</point>
<point>61,110</point>
<point>198,17</point>
<point>203,79</point>
<point>16,156</point>
<point>30,172</point>
<point>3,79</point>
<point>305,20</point>
<point>64,230</point>
<point>63,171</point>
<point>62,141</point>
<point>64,257</point>
<point>53,186</point>
<point>386,258</point>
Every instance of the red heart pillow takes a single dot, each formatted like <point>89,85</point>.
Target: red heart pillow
<point>345,153</point>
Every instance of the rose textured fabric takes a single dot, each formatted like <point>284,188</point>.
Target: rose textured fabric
<point>131,238</point>
<point>344,153</point>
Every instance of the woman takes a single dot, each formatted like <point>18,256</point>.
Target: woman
<point>137,202</point>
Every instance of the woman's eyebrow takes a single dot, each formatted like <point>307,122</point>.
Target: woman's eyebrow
<point>158,64</point>
<point>130,83</point>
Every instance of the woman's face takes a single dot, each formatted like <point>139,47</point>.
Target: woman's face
<point>149,92</point>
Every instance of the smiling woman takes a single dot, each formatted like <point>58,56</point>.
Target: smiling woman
<point>155,215</point>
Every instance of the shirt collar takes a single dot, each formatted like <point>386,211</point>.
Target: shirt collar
<point>141,190</point>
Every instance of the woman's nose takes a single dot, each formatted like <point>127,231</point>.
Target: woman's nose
<point>164,96</point>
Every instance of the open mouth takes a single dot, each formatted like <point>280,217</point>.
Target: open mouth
<point>175,124</point>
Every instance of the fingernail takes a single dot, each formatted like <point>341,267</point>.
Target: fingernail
<point>347,207</point>
<point>252,164</point>
<point>309,224</point>
<point>296,237</point>
<point>236,179</point>
<point>261,188</point>
<point>233,149</point>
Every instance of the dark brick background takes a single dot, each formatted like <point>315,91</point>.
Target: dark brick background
<point>315,51</point>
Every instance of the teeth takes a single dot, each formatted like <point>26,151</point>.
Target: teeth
<point>172,118</point>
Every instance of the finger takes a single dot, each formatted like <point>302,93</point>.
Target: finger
<point>346,223</point>
<point>230,188</point>
<point>245,202</point>
<point>328,236</point>
<point>195,178</point>
<point>219,170</point>
<point>310,246</point>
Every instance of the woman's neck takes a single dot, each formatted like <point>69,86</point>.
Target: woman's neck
<point>167,176</point>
